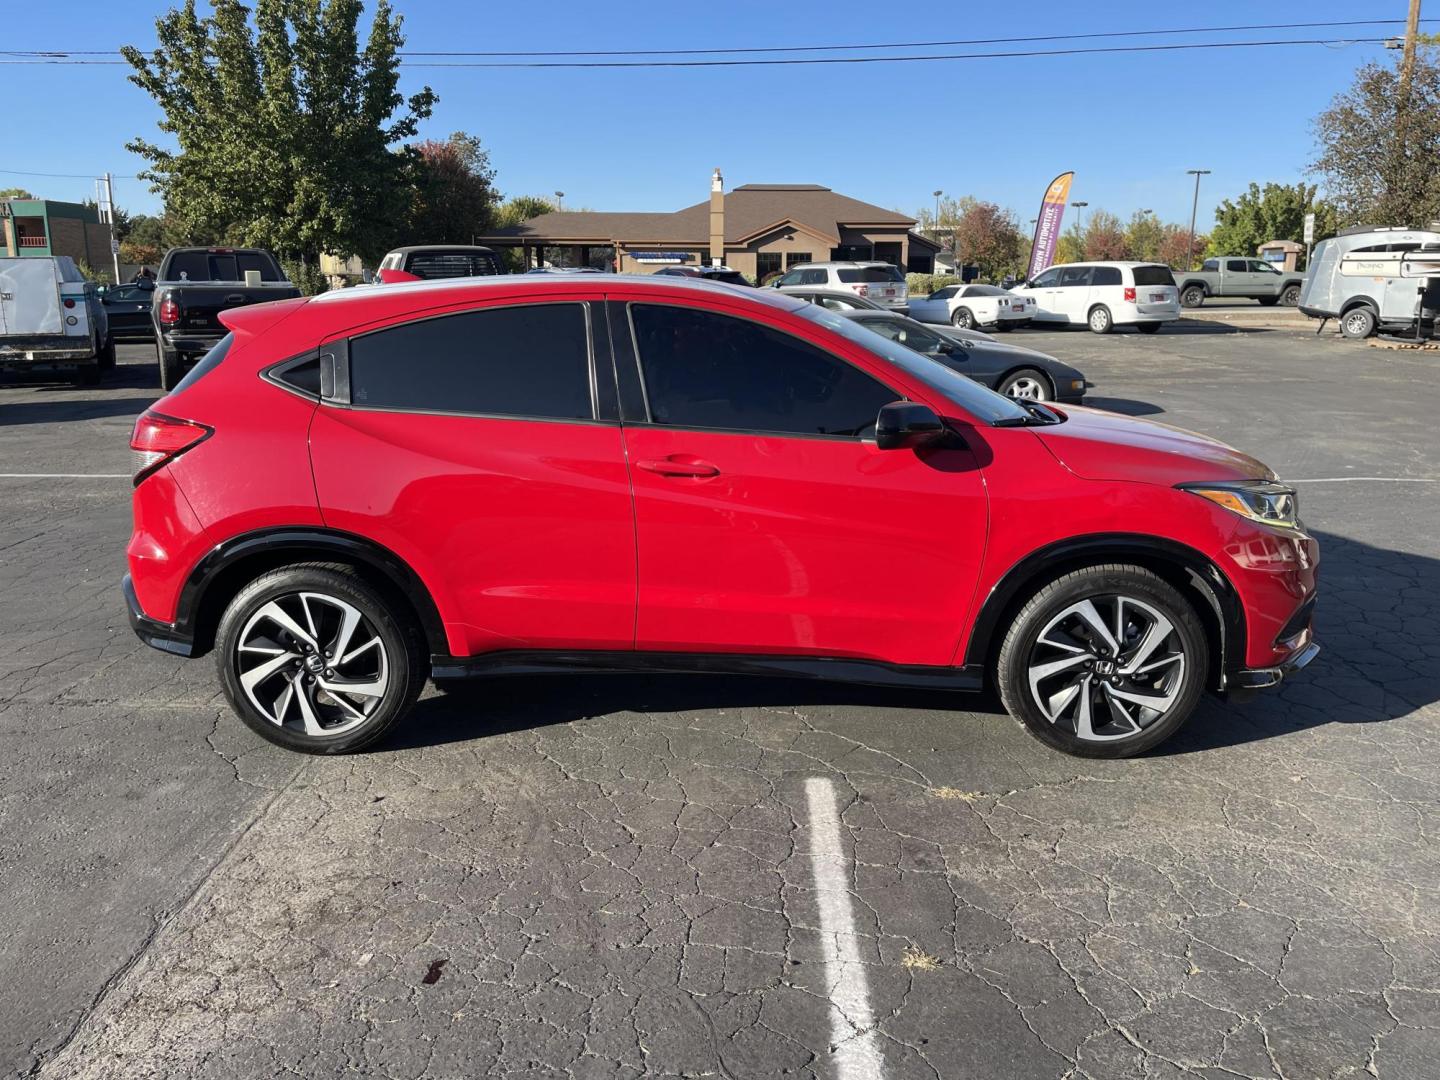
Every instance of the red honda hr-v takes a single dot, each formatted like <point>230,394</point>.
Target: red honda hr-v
<point>601,473</point>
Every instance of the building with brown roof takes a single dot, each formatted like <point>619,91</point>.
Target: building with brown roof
<point>757,229</point>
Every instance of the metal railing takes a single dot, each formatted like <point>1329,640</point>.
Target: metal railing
<point>34,241</point>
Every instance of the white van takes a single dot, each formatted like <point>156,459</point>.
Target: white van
<point>1104,295</point>
<point>51,319</point>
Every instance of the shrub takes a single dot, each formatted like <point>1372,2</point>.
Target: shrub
<point>925,284</point>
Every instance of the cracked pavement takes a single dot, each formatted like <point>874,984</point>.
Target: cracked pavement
<point>614,876</point>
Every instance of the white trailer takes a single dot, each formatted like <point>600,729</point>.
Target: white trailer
<point>51,319</point>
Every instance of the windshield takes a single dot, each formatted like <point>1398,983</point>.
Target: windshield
<point>985,405</point>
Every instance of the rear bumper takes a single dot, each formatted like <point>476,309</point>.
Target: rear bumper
<point>41,351</point>
<point>190,342</point>
<point>158,635</point>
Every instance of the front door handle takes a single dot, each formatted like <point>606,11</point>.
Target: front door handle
<point>678,465</point>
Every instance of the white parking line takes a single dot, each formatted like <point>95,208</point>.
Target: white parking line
<point>1370,479</point>
<point>852,1035</point>
<point>64,476</point>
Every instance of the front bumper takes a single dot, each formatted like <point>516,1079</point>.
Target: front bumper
<point>158,635</point>
<point>1263,678</point>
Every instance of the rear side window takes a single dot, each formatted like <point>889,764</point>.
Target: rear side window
<point>1236,266</point>
<point>431,265</point>
<point>206,364</point>
<point>1154,275</point>
<point>1075,276</point>
<point>706,370</point>
<point>870,275</point>
<point>532,360</point>
<point>1105,275</point>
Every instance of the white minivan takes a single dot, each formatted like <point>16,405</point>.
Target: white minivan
<point>1104,295</point>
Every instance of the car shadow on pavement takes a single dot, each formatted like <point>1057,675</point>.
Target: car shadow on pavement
<point>1368,671</point>
<point>1127,406</point>
<point>15,413</point>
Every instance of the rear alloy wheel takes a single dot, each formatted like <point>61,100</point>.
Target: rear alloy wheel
<point>1100,319</point>
<point>1291,296</point>
<point>1193,296</point>
<point>963,318</point>
<point>311,657</point>
<point>1106,661</point>
<point>1027,384</point>
<point>1358,323</point>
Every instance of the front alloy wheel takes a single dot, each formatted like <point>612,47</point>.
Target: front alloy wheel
<point>1105,661</point>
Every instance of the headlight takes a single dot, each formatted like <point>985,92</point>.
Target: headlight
<point>1259,500</point>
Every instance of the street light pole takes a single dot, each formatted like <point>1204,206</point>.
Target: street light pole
<point>559,201</point>
<point>1080,221</point>
<point>1194,208</point>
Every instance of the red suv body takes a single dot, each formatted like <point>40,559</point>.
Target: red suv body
<point>529,474</point>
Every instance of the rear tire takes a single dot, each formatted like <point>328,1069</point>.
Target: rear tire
<point>1100,320</point>
<point>1268,301</point>
<point>1061,674</point>
<point>106,356</point>
<point>1290,297</point>
<point>87,375</point>
<point>1192,296</point>
<point>285,656</point>
<point>170,368</point>
<point>1358,323</point>
<point>963,318</point>
<point>1148,327</point>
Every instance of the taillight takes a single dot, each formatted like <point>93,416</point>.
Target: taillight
<point>862,290</point>
<point>158,438</point>
<point>1129,294</point>
<point>169,310</point>
<point>69,303</point>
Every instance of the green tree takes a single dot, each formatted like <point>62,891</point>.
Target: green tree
<point>987,236</point>
<point>521,208</point>
<point>283,131</point>
<point>454,196</point>
<point>1379,166</point>
<point>1104,237</point>
<point>15,193</point>
<point>1276,212</point>
<point>1143,236</point>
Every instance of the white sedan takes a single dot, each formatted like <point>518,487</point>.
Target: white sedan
<point>973,306</point>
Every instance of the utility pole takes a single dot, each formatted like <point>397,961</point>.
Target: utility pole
<point>1194,208</point>
<point>114,244</point>
<point>1407,61</point>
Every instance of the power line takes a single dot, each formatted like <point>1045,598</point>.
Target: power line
<point>803,61</point>
<point>61,175</point>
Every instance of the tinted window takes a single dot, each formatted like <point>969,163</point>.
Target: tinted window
<point>451,264</point>
<point>1074,276</point>
<point>945,293</point>
<point>126,294</point>
<point>906,333</point>
<point>1236,266</point>
<point>219,266</point>
<point>705,370</point>
<point>870,274</point>
<point>728,277</point>
<point>1258,266</point>
<point>835,303</point>
<point>812,277</point>
<point>1046,280</point>
<point>207,363</point>
<point>1153,275</point>
<point>303,375</point>
<point>1105,275</point>
<point>531,360</point>
<point>984,290</point>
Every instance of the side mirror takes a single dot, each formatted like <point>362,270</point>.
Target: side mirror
<point>903,424</point>
<point>945,348</point>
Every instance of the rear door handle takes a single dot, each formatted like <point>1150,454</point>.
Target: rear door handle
<point>677,465</point>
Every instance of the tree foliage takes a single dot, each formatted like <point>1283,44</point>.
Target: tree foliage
<point>454,195</point>
<point>989,237</point>
<point>1143,236</point>
<point>15,193</point>
<point>1276,212</point>
<point>1378,153</point>
<point>522,208</point>
<point>282,130</point>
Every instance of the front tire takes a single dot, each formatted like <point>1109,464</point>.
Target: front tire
<point>963,318</point>
<point>1027,384</point>
<point>1100,320</point>
<point>1193,296</point>
<point>315,659</point>
<point>1106,661</point>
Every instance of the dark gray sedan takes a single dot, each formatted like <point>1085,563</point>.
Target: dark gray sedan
<point>1007,369</point>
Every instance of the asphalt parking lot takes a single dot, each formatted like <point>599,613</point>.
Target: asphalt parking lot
<point>681,876</point>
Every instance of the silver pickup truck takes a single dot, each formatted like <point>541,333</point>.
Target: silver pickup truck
<point>51,319</point>
<point>1233,276</point>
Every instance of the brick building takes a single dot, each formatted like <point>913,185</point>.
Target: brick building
<point>45,227</point>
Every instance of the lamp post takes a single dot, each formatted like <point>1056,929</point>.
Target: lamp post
<point>1080,221</point>
<point>1194,207</point>
<point>559,200</point>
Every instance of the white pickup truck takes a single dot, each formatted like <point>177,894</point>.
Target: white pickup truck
<point>51,320</point>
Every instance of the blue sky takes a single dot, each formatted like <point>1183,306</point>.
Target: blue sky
<point>891,134</point>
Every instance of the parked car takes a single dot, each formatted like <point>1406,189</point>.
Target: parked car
<point>1006,369</point>
<point>197,284</point>
<point>581,473</point>
<point>128,310</point>
<point>52,320</point>
<point>723,274</point>
<point>877,281</point>
<point>1359,277</point>
<point>1230,276</point>
<point>431,261</point>
<point>969,306</point>
<point>1105,295</point>
<point>848,301</point>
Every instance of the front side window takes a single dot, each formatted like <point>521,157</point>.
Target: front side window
<point>908,334</point>
<point>945,293</point>
<point>1259,266</point>
<point>706,370</point>
<point>531,360</point>
<point>1046,280</point>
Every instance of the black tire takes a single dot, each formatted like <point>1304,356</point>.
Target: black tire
<point>400,664</point>
<point>1021,654</point>
<point>1044,389</point>
<point>170,367</point>
<point>1100,320</point>
<point>1358,323</point>
<point>1148,327</point>
<point>1268,301</point>
<point>1004,327</point>
<point>1192,296</point>
<point>1290,296</point>
<point>963,318</point>
<point>106,355</point>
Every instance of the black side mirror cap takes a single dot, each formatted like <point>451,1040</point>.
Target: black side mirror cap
<point>903,424</point>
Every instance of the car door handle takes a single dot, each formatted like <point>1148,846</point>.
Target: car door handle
<point>675,465</point>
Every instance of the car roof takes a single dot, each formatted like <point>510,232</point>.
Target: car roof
<point>469,248</point>
<point>1124,264</point>
<point>843,262</point>
<point>527,285</point>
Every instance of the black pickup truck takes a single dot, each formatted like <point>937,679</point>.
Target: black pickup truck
<point>194,286</point>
